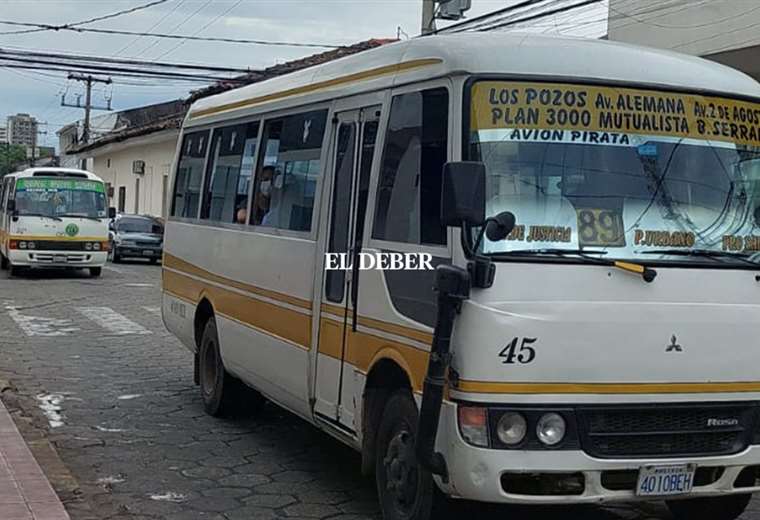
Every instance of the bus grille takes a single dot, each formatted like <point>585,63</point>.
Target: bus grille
<point>666,430</point>
<point>56,245</point>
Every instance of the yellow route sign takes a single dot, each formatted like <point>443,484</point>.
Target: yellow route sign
<point>585,108</point>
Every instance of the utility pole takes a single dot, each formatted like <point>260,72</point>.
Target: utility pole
<point>88,106</point>
<point>34,142</point>
<point>428,17</point>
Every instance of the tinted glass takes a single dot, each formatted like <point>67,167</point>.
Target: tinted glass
<point>287,180</point>
<point>187,186</point>
<point>341,207</point>
<point>409,188</point>
<point>229,173</point>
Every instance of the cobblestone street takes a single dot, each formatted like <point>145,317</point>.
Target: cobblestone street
<point>87,364</point>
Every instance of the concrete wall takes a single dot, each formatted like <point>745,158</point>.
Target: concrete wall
<point>720,30</point>
<point>693,27</point>
<point>113,163</point>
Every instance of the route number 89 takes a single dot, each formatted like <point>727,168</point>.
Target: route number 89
<point>600,227</point>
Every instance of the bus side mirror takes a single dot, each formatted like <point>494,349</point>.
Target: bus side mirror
<point>10,206</point>
<point>111,212</point>
<point>463,194</point>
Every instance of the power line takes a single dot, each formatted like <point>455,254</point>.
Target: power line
<point>541,15</point>
<point>91,20</point>
<point>159,22</point>
<point>209,24</point>
<point>180,24</point>
<point>169,36</point>
<point>127,73</point>
<point>84,58</point>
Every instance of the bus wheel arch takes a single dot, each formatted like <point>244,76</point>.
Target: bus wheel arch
<point>385,377</point>
<point>203,312</point>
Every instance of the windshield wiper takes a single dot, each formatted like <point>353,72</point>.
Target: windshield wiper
<point>701,253</point>
<point>647,273</point>
<point>75,215</point>
<point>40,215</point>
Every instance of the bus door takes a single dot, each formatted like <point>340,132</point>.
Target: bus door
<point>354,136</point>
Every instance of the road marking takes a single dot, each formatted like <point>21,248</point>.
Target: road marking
<point>112,320</point>
<point>38,325</point>
<point>128,397</point>
<point>153,310</point>
<point>50,404</point>
<point>138,284</point>
<point>168,497</point>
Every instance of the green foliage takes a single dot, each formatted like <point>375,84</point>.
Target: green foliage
<point>11,156</point>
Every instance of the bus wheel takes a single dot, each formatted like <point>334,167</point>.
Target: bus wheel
<point>406,491</point>
<point>709,508</point>
<point>222,393</point>
<point>95,271</point>
<point>13,270</point>
<point>3,262</point>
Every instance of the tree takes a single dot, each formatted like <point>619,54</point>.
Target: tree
<point>11,156</point>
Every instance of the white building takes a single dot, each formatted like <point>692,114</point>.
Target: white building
<point>720,30</point>
<point>134,158</point>
<point>3,134</point>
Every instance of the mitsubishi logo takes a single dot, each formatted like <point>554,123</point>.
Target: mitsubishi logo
<point>674,346</point>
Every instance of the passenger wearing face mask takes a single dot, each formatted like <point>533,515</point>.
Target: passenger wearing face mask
<point>263,195</point>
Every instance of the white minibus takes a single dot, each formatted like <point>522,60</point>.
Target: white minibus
<point>592,214</point>
<point>53,217</point>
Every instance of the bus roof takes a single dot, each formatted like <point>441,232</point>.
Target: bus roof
<point>54,172</point>
<point>520,54</point>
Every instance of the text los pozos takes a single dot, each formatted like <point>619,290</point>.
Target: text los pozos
<point>386,261</point>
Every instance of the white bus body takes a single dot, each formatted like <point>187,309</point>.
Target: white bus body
<point>647,377</point>
<point>53,217</point>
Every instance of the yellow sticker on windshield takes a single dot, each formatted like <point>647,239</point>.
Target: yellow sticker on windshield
<point>580,108</point>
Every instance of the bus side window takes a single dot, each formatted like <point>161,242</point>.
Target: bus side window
<point>187,185</point>
<point>225,193</point>
<point>286,181</point>
<point>409,186</point>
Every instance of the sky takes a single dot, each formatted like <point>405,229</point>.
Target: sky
<point>334,22</point>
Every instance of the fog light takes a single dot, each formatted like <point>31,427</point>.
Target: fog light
<point>96,246</point>
<point>22,245</point>
<point>473,425</point>
<point>88,246</point>
<point>512,428</point>
<point>551,429</point>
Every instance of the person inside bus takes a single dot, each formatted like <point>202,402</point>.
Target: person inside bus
<point>263,195</point>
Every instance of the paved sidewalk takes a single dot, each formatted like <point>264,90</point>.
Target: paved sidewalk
<point>25,493</point>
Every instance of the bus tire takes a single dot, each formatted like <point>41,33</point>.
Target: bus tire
<point>709,508</point>
<point>222,393</point>
<point>406,491</point>
<point>13,270</point>
<point>96,271</point>
<point>3,262</point>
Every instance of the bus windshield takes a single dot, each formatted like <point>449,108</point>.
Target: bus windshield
<point>634,175</point>
<point>60,197</point>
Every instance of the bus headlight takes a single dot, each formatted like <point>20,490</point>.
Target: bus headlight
<point>473,425</point>
<point>88,246</point>
<point>511,428</point>
<point>22,245</point>
<point>31,245</point>
<point>551,428</point>
<point>96,246</point>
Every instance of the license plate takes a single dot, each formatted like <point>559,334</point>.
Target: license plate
<point>147,252</point>
<point>665,480</point>
<point>61,259</point>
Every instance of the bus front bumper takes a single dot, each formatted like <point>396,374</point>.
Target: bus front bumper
<point>572,476</point>
<point>44,258</point>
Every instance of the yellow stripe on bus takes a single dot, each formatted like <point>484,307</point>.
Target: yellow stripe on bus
<point>495,387</point>
<point>321,85</point>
